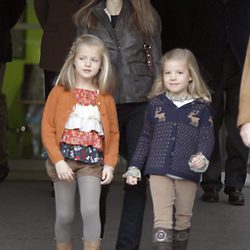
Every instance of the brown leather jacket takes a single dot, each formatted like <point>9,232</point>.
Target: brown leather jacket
<point>125,45</point>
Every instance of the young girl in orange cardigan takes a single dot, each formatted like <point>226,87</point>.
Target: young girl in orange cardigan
<point>80,134</point>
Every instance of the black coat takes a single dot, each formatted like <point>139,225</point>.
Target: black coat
<point>59,31</point>
<point>10,11</point>
<point>205,27</point>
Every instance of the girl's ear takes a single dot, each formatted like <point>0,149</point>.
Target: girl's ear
<point>190,79</point>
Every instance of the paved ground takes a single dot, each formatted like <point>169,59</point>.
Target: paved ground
<point>27,218</point>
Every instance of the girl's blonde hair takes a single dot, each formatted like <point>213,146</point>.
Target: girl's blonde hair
<point>197,87</point>
<point>104,80</point>
<point>143,15</point>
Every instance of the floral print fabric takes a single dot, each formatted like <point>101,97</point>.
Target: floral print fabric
<point>82,139</point>
<point>88,155</point>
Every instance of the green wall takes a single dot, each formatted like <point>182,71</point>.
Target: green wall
<point>20,143</point>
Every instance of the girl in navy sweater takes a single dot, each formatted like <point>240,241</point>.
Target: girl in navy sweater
<point>174,147</point>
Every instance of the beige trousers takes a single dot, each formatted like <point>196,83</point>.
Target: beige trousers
<point>173,201</point>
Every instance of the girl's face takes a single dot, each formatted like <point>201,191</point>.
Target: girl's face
<point>87,62</point>
<point>176,77</point>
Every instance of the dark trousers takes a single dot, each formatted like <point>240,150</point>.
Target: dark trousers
<point>131,119</point>
<point>225,103</point>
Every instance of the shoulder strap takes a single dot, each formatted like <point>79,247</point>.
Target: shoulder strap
<point>148,53</point>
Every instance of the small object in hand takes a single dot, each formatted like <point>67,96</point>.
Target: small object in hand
<point>195,168</point>
<point>132,171</point>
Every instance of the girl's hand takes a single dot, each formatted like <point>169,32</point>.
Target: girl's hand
<point>245,134</point>
<point>107,174</point>
<point>132,175</point>
<point>131,180</point>
<point>198,163</point>
<point>64,172</point>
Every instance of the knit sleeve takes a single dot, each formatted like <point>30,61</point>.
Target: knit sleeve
<point>112,152</point>
<point>142,150</point>
<point>206,133</point>
<point>48,129</point>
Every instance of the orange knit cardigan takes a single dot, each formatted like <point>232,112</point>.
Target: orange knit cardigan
<point>56,113</point>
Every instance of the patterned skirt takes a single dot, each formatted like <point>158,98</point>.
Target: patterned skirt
<point>85,154</point>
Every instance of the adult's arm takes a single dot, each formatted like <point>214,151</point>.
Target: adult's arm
<point>244,109</point>
<point>42,11</point>
<point>16,10</point>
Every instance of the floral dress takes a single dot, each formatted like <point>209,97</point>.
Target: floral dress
<point>83,136</point>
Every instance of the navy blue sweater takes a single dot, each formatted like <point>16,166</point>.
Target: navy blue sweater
<point>171,135</point>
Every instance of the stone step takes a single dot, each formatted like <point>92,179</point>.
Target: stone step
<point>27,169</point>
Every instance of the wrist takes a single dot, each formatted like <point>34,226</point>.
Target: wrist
<point>109,168</point>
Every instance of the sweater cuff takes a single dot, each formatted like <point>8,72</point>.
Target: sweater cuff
<point>132,171</point>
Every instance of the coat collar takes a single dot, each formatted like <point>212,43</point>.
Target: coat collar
<point>164,99</point>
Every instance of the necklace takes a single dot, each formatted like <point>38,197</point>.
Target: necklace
<point>178,98</point>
